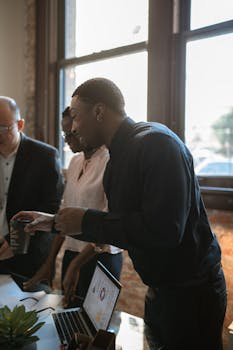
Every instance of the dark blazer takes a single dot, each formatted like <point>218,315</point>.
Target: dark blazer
<point>36,184</point>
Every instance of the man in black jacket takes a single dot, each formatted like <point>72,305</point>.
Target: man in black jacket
<point>155,212</point>
<point>30,177</point>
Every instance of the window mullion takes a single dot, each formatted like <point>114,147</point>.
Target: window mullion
<point>123,50</point>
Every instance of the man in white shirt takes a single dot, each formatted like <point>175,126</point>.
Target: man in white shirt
<point>83,188</point>
<point>30,176</point>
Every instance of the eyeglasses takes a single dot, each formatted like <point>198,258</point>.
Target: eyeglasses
<point>5,129</point>
<point>67,134</point>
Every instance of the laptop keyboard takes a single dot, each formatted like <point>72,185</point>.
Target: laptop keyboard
<point>68,322</point>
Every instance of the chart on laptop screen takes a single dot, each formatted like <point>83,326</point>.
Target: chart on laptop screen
<point>101,299</point>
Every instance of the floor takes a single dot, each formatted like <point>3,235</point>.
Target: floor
<point>134,289</point>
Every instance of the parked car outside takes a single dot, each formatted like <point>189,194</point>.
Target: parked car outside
<point>217,167</point>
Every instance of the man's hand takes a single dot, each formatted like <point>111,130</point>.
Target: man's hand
<point>40,221</point>
<point>5,250</point>
<point>69,220</point>
<point>45,273</point>
<point>70,281</point>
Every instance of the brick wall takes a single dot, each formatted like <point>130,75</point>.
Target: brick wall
<point>29,53</point>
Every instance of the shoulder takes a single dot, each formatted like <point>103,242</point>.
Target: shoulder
<point>76,160</point>
<point>34,145</point>
<point>147,129</point>
<point>156,141</point>
<point>148,133</point>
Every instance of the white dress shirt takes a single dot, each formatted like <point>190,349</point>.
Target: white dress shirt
<point>6,168</point>
<point>84,189</point>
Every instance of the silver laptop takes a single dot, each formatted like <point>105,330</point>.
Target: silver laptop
<point>97,308</point>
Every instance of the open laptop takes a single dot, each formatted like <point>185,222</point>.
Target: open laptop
<point>97,308</point>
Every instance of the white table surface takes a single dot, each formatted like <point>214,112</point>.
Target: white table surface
<point>129,328</point>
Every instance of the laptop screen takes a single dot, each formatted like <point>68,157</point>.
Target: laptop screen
<point>101,297</point>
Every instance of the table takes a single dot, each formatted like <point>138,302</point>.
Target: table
<point>129,328</point>
<point>230,337</point>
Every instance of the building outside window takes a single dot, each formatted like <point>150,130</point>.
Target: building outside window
<point>209,86</point>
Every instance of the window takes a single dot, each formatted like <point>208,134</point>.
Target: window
<point>99,25</point>
<point>207,12</point>
<point>172,60</point>
<point>112,44</point>
<point>207,44</point>
<point>209,103</point>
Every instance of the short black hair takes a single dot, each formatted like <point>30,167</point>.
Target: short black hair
<point>66,112</point>
<point>102,90</point>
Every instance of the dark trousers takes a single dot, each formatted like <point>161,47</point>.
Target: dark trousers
<point>113,262</point>
<point>186,318</point>
<point>19,264</point>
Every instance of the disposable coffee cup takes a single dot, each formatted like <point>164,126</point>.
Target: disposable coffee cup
<point>19,239</point>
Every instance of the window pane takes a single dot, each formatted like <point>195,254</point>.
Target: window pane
<point>98,25</point>
<point>70,30</point>
<point>209,104</point>
<point>208,12</point>
<point>129,72</point>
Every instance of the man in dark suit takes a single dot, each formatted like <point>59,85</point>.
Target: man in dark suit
<point>30,177</point>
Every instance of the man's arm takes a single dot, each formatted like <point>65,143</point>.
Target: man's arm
<point>165,204</point>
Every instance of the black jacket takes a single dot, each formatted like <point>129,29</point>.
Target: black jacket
<point>36,184</point>
<point>155,207</point>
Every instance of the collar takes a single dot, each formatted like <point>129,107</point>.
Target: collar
<point>97,153</point>
<point>121,136</point>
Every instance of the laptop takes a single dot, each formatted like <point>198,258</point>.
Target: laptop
<point>97,308</point>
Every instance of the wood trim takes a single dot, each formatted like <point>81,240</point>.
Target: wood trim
<point>207,32</point>
<point>46,71</point>
<point>217,199</point>
<point>41,70</point>
<point>159,60</point>
<point>119,51</point>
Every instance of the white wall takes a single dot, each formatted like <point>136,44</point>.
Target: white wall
<point>12,68</point>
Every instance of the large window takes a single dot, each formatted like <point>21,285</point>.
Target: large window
<point>106,38</point>
<point>207,35</point>
<point>171,58</point>
<point>209,104</point>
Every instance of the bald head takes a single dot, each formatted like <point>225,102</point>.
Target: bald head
<point>10,104</point>
<point>11,125</point>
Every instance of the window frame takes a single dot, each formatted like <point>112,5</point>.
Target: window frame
<point>168,33</point>
<point>217,191</point>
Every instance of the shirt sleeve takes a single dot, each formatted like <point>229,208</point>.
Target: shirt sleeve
<point>166,174</point>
